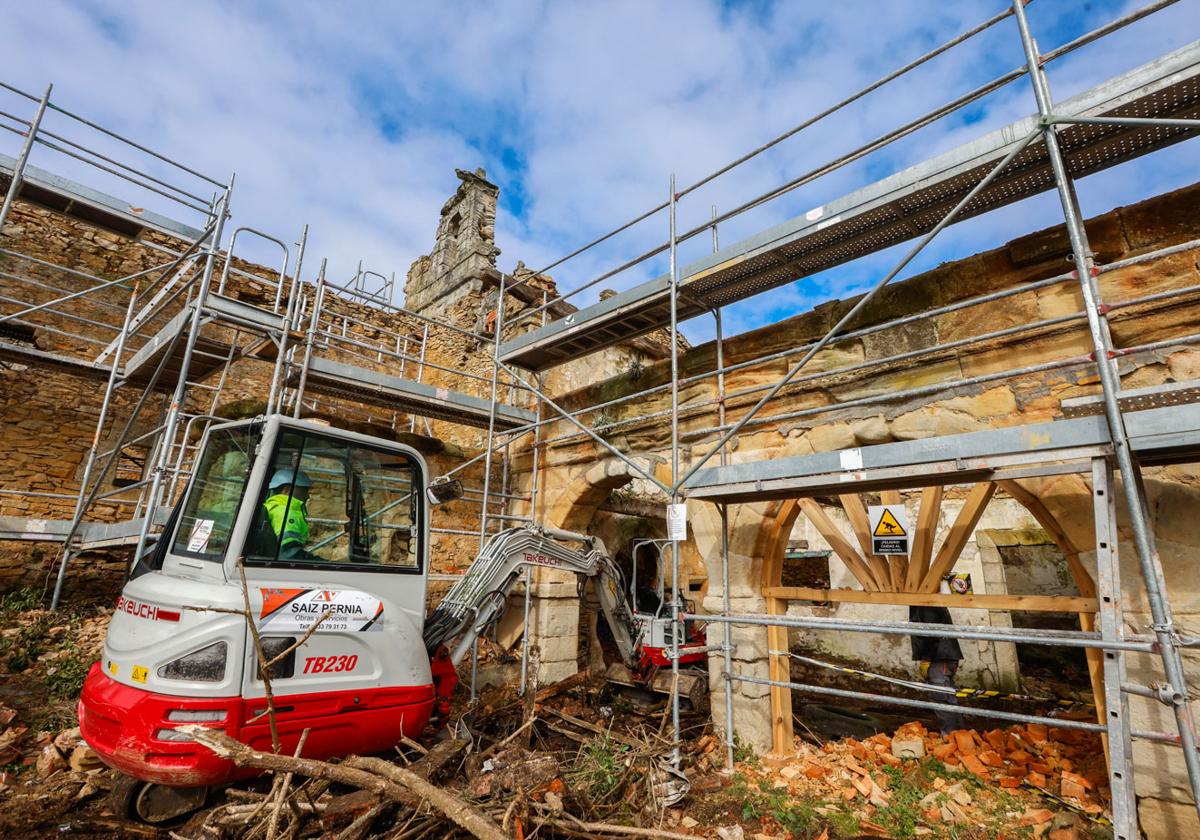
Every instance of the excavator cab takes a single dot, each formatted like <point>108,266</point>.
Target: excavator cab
<point>293,522</point>
<point>652,612</point>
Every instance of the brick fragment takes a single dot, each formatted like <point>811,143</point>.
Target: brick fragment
<point>975,766</point>
<point>991,758</point>
<point>964,741</point>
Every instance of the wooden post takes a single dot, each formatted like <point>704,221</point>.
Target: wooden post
<point>857,514</point>
<point>922,545</point>
<point>840,545</point>
<point>780,670</point>
<point>960,533</point>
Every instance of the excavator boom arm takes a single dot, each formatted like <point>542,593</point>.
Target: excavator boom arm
<point>478,600</point>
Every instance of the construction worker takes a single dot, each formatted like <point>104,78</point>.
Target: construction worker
<point>287,511</point>
<point>939,657</point>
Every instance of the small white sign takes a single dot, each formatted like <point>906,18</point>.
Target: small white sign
<point>295,610</point>
<point>677,522</point>
<point>201,531</point>
<point>850,459</point>
<point>890,533</point>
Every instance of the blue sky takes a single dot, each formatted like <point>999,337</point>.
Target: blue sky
<point>352,117</point>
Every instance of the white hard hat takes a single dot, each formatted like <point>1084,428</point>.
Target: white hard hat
<point>287,476</point>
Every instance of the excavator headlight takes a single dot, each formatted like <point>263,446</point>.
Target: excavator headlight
<point>204,665</point>
<point>195,715</point>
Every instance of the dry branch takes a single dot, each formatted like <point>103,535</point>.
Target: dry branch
<point>395,783</point>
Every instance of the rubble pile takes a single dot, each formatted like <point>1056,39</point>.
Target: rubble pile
<point>1051,781</point>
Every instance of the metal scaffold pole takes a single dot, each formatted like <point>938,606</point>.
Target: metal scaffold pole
<point>14,186</point>
<point>676,606</point>
<point>1177,693</point>
<point>723,511</point>
<point>171,424</point>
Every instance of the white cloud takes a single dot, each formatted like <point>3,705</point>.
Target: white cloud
<point>352,117</point>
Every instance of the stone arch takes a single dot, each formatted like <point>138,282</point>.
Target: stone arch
<point>576,503</point>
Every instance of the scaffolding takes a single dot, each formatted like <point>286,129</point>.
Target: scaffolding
<point>1117,431</point>
<point>161,343</point>
<point>172,330</point>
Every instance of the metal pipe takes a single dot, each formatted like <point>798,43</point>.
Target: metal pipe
<point>90,464</point>
<point>1156,122</point>
<point>1063,638</point>
<point>862,302</point>
<point>971,711</point>
<point>185,361</point>
<point>277,372</point>
<point>810,121</point>
<point>676,605</point>
<point>105,285</point>
<point>14,186</point>
<point>318,302</point>
<point>1147,551</point>
<point>199,208</point>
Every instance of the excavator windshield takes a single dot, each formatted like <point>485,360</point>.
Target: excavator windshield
<point>330,502</point>
<point>216,491</point>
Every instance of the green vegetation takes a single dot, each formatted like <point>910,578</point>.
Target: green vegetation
<point>600,768</point>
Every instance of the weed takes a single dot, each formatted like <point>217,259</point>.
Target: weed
<point>600,767</point>
<point>903,812</point>
<point>65,678</point>
<point>21,600</point>
<point>844,824</point>
<point>744,753</point>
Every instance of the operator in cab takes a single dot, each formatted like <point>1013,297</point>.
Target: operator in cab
<point>287,511</point>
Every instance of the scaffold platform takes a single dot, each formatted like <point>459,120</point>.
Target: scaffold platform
<point>893,210</point>
<point>211,351</point>
<point>357,384</point>
<point>74,200</point>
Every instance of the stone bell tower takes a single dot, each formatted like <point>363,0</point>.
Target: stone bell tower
<point>463,260</point>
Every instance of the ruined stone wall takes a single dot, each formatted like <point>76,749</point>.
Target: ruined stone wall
<point>48,415</point>
<point>825,410</point>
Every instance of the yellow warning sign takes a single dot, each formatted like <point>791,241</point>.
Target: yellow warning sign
<point>888,526</point>
<point>889,530</point>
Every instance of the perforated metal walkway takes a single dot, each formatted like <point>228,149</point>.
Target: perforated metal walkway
<point>898,208</point>
<point>348,382</point>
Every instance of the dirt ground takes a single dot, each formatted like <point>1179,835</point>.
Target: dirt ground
<point>584,761</point>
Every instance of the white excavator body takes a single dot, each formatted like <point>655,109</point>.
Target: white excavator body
<point>322,537</point>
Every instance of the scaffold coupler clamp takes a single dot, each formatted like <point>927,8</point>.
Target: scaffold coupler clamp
<point>1166,694</point>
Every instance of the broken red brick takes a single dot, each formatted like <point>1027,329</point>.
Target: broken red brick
<point>975,766</point>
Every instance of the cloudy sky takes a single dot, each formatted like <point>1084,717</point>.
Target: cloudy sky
<point>351,117</point>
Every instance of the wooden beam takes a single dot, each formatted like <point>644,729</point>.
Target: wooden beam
<point>960,533</point>
<point>780,670</point>
<point>922,545</point>
<point>776,544</point>
<point>1026,603</point>
<point>840,545</point>
<point>1083,578</point>
<point>897,563</point>
<point>857,514</point>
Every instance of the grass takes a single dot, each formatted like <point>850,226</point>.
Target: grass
<point>599,768</point>
<point>44,645</point>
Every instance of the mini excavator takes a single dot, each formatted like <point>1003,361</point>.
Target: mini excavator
<point>321,536</point>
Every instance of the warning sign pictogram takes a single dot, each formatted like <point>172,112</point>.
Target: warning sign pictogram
<point>889,529</point>
<point>888,526</point>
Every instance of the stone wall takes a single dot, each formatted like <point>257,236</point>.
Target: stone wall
<point>912,398</point>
